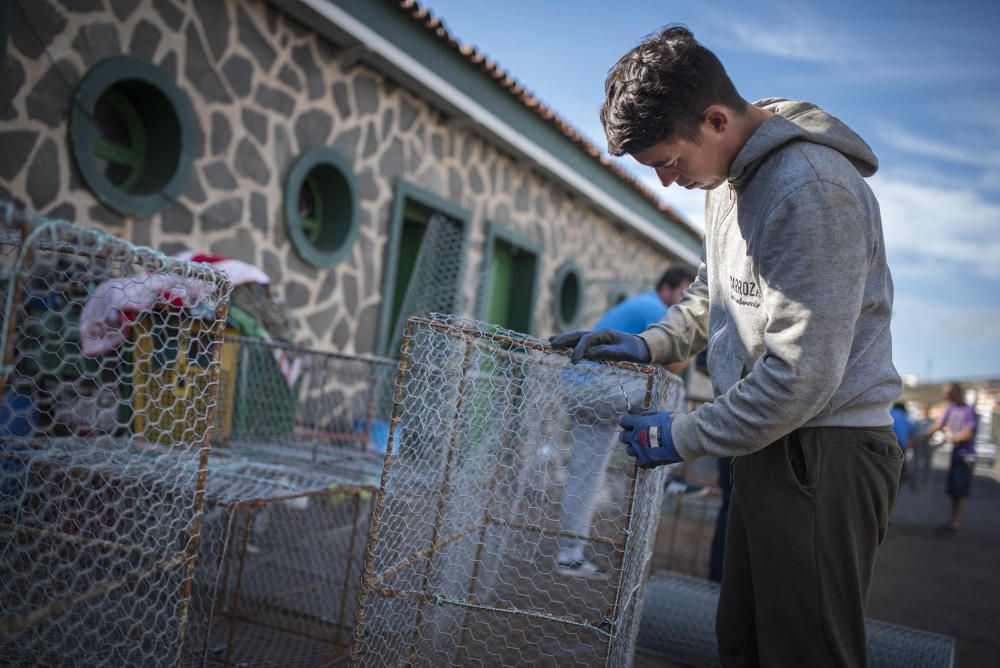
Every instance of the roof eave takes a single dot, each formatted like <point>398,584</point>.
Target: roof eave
<point>343,28</point>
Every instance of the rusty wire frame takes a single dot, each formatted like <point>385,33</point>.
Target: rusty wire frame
<point>102,453</point>
<point>314,406</point>
<point>291,481</point>
<point>279,565</point>
<point>475,585</point>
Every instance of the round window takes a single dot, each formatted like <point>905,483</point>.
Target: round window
<point>568,295</point>
<point>321,206</point>
<point>132,135</point>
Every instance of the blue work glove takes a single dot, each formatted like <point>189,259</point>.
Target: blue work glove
<point>649,440</point>
<point>603,344</point>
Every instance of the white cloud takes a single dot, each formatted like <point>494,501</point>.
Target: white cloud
<point>911,143</point>
<point>991,180</point>
<point>944,340</point>
<point>803,36</point>
<point>954,322</point>
<point>937,224</point>
<point>802,40</point>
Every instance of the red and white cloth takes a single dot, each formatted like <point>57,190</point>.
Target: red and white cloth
<point>110,310</point>
<point>239,272</point>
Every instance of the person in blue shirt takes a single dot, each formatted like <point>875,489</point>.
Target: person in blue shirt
<point>901,425</point>
<point>636,313</point>
<point>903,428</point>
<point>595,441</point>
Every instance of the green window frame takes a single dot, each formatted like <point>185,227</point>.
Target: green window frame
<point>514,264</point>
<point>321,206</point>
<point>411,202</point>
<point>132,135</point>
<point>567,295</point>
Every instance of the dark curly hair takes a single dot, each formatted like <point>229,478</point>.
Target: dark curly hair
<point>674,276</point>
<point>660,89</point>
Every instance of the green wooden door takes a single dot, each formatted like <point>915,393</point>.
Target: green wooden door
<point>512,286</point>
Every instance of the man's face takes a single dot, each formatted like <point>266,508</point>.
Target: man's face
<point>951,393</point>
<point>703,164</point>
<point>685,163</point>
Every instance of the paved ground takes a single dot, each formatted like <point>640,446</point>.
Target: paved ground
<point>947,584</point>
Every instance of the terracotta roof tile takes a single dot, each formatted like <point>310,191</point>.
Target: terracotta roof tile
<point>435,25</point>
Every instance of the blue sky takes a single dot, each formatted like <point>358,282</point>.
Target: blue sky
<point>919,81</point>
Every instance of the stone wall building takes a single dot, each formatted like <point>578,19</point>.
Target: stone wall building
<point>315,139</point>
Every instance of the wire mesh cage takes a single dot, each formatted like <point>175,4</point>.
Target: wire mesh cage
<point>292,402</point>
<point>509,528</point>
<point>435,280</point>
<point>290,484</point>
<point>110,367</point>
<point>279,564</point>
<point>678,624</point>
<point>690,520</point>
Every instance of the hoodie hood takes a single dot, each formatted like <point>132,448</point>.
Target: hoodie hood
<point>800,121</point>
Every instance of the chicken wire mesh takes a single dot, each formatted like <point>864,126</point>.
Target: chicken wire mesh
<point>296,404</point>
<point>297,455</point>
<point>678,623</point>
<point>503,476</point>
<point>279,564</point>
<point>435,284</point>
<point>688,522</point>
<point>110,367</point>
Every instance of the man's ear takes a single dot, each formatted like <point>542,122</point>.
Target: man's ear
<point>716,119</point>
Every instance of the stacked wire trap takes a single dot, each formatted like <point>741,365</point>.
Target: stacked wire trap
<point>503,457</point>
<point>296,459</point>
<point>109,376</point>
<point>303,407</point>
<point>678,627</point>
<point>279,565</point>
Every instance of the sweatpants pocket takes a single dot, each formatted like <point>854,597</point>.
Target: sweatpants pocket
<point>879,460</point>
<point>800,463</point>
<point>881,444</point>
<point>797,459</point>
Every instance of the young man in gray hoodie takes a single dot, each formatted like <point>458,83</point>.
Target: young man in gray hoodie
<point>793,300</point>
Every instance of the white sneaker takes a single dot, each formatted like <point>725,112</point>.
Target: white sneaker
<point>580,568</point>
<point>681,488</point>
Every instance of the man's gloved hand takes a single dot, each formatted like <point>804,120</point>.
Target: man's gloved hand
<point>602,344</point>
<point>649,440</point>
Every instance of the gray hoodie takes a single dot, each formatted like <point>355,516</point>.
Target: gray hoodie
<point>793,297</point>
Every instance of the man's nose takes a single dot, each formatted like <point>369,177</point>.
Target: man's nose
<point>667,176</point>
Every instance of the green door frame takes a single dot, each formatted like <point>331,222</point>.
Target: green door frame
<point>408,191</point>
<point>495,231</point>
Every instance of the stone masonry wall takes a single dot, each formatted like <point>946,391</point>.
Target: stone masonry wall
<point>264,89</point>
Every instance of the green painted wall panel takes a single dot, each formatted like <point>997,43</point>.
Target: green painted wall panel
<point>500,283</point>
<point>409,248</point>
<point>513,278</point>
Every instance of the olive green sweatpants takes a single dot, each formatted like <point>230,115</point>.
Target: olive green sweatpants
<point>807,515</point>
